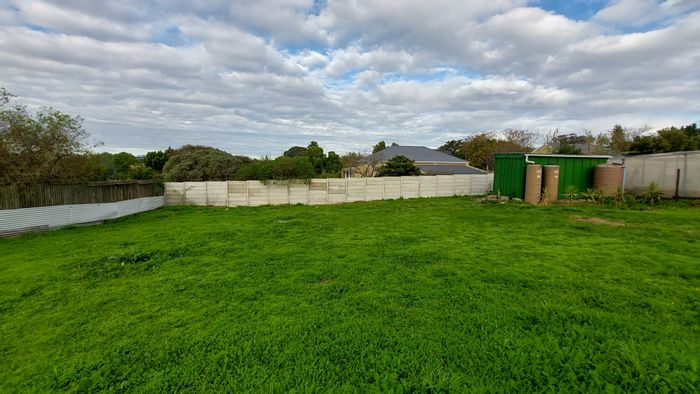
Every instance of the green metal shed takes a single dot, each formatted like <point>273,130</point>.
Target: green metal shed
<point>577,170</point>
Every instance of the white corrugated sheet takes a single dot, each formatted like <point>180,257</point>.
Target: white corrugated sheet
<point>17,220</point>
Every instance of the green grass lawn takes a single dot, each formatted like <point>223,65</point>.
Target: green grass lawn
<point>428,294</point>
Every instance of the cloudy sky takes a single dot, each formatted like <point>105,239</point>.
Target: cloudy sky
<point>255,77</point>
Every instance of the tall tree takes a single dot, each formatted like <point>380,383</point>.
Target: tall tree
<point>44,146</point>
<point>619,142</point>
<point>315,153</point>
<point>378,147</point>
<point>453,147</point>
<point>333,166</point>
<point>157,159</point>
<point>295,151</point>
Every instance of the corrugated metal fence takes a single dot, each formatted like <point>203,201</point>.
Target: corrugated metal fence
<point>667,170</point>
<point>324,191</point>
<point>42,195</point>
<point>15,221</point>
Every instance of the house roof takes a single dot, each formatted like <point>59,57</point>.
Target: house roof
<point>449,170</point>
<point>417,154</point>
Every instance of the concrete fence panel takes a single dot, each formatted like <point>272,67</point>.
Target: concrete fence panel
<point>324,191</point>
<point>392,187</point>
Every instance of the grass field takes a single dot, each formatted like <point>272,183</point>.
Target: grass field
<point>428,294</point>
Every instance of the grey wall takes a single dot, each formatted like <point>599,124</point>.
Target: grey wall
<point>662,168</point>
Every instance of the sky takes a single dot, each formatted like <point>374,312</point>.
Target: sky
<point>256,77</point>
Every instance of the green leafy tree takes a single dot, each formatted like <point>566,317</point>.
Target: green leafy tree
<point>202,163</point>
<point>140,172</point>
<point>669,139</point>
<point>157,159</point>
<point>255,170</point>
<point>295,151</point>
<point>45,146</point>
<point>333,165</point>
<point>122,162</point>
<point>292,168</point>
<point>315,155</point>
<point>619,142</point>
<point>399,166</point>
<point>378,147</point>
<point>453,147</point>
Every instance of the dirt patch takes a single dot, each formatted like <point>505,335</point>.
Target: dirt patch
<point>608,222</point>
<point>327,281</point>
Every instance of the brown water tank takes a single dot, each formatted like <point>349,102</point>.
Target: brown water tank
<point>550,181</point>
<point>608,178</point>
<point>533,183</point>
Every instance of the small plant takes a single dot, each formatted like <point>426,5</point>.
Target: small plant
<point>590,194</point>
<point>571,193</point>
<point>620,197</point>
<point>544,198</point>
<point>652,195</point>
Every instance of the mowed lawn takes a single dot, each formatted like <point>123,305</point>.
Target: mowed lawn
<point>409,295</point>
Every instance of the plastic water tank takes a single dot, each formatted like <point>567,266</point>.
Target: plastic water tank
<point>533,183</point>
<point>608,178</point>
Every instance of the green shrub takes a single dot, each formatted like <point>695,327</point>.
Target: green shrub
<point>652,194</point>
<point>202,163</point>
<point>571,193</point>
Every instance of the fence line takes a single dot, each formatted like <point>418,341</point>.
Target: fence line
<point>324,191</point>
<point>16,221</point>
<point>675,171</point>
<point>41,195</point>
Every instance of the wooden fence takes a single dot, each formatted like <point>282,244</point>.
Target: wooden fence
<point>324,191</point>
<point>41,195</point>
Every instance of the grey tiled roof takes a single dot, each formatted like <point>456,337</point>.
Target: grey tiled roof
<point>416,153</point>
<point>449,170</point>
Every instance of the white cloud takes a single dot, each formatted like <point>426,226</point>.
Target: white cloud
<point>257,77</point>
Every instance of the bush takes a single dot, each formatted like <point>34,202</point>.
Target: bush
<point>285,167</point>
<point>202,163</point>
<point>652,195</point>
<point>399,166</point>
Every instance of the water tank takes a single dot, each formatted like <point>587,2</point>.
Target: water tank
<point>533,183</point>
<point>608,178</point>
<point>550,181</point>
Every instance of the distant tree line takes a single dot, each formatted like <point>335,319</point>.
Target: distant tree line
<point>480,149</point>
<point>49,146</point>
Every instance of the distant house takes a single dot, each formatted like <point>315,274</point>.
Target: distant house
<point>430,162</point>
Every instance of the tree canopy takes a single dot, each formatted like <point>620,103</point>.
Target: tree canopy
<point>399,166</point>
<point>44,146</point>
<point>202,163</point>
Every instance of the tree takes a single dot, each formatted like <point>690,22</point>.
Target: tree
<point>521,140</point>
<point>360,164</point>
<point>618,140</point>
<point>568,144</point>
<point>378,147</point>
<point>315,155</point>
<point>157,159</point>
<point>295,151</point>
<point>399,166</point>
<point>479,150</point>
<point>202,163</point>
<point>255,170</point>
<point>122,163</point>
<point>453,147</point>
<point>45,146</point>
<point>284,168</point>
<point>333,165</point>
